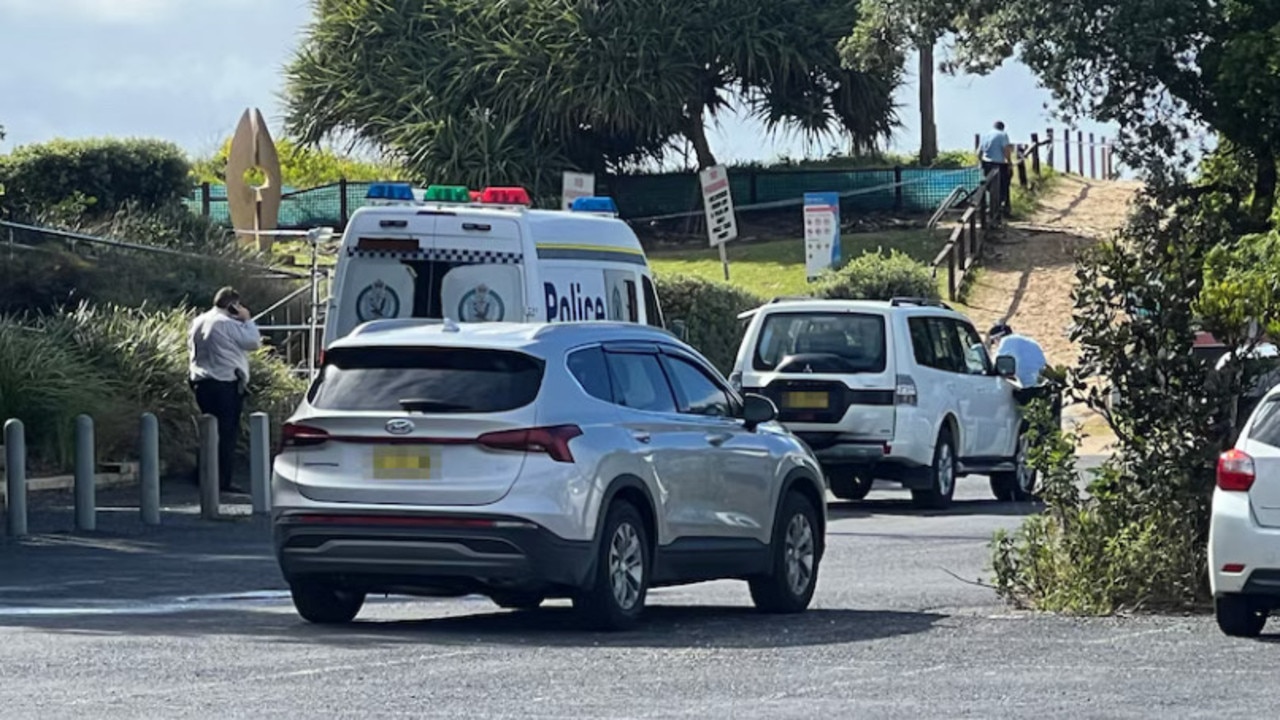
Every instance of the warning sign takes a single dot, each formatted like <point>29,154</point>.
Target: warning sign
<point>722,226</point>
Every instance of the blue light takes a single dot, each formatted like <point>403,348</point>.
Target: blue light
<point>594,205</point>
<point>389,191</point>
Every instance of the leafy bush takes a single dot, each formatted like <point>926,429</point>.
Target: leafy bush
<point>1137,539</point>
<point>709,311</point>
<point>115,363</point>
<point>108,173</point>
<point>302,166</point>
<point>875,276</point>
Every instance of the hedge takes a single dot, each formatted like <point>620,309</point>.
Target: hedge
<point>110,173</point>
<point>709,311</point>
<point>873,276</point>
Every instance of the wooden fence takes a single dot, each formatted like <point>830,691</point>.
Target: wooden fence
<point>983,215</point>
<point>1099,150</point>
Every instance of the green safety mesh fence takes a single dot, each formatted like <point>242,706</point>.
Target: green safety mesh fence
<point>639,197</point>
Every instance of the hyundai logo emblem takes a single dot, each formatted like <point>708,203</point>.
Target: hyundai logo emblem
<point>399,426</point>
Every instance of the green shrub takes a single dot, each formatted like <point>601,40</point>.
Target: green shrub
<point>709,311</point>
<point>45,383</point>
<point>109,173</point>
<point>875,276</point>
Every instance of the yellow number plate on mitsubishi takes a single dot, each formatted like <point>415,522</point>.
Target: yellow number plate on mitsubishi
<point>402,462</point>
<point>806,400</point>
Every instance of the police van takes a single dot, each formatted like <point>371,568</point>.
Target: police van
<point>451,253</point>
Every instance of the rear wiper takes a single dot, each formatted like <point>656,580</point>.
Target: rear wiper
<point>425,405</point>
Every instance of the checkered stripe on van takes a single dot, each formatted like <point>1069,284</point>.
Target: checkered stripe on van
<point>451,255</point>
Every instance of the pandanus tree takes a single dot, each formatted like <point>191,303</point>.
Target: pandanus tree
<point>484,91</point>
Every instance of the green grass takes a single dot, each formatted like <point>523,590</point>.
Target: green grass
<point>776,267</point>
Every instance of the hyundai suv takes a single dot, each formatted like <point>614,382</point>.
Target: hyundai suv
<point>522,461</point>
<point>902,391</point>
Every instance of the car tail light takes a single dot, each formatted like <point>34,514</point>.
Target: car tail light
<point>1235,471</point>
<point>553,441</point>
<point>295,435</point>
<point>905,392</point>
<point>1233,568</point>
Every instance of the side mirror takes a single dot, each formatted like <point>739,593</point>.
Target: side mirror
<point>1006,366</point>
<point>757,410</point>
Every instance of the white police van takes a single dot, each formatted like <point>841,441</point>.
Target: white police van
<point>485,257</point>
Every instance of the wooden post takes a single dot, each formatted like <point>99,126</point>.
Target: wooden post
<point>951,274</point>
<point>1022,173</point>
<point>977,142</point>
<point>1049,139</point>
<point>1035,153</point>
<point>974,238</point>
<point>204,199</point>
<point>1066,150</point>
<point>1093,163</point>
<point>897,188</point>
<point>1106,160</point>
<point>961,252</point>
<point>342,201</point>
<point>1080,150</point>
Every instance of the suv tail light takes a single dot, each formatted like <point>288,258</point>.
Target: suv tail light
<point>295,435</point>
<point>1235,471</point>
<point>905,392</point>
<point>553,441</point>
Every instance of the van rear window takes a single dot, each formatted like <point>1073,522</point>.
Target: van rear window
<point>821,342</point>
<point>427,379</point>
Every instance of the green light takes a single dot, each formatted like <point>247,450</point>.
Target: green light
<point>447,193</point>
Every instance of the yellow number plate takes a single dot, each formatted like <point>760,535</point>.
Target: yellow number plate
<point>402,463</point>
<point>806,400</point>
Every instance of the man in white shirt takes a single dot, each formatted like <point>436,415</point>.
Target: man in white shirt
<point>218,346</point>
<point>1027,352</point>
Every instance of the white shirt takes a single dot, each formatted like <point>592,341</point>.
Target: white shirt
<point>218,346</point>
<point>1028,354</point>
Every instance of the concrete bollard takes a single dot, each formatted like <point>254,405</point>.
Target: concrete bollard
<point>260,463</point>
<point>85,482</point>
<point>210,508</point>
<point>15,470</point>
<point>149,469</point>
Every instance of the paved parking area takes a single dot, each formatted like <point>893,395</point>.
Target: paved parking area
<point>190,621</point>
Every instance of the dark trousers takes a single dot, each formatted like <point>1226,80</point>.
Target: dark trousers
<point>223,401</point>
<point>1006,181</point>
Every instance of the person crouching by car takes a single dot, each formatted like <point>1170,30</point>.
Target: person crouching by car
<point>218,345</point>
<point>1031,363</point>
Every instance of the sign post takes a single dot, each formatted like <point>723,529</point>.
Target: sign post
<point>577,185</point>
<point>722,225</point>
<point>821,233</point>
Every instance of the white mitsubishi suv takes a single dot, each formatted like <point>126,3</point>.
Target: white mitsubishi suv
<point>523,461</point>
<point>902,391</point>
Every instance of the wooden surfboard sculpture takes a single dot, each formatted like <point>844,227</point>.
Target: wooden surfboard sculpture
<point>253,208</point>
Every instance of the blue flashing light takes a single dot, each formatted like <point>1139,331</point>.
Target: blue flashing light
<point>594,205</point>
<point>389,191</point>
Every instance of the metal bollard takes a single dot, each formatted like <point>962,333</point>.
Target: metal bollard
<point>210,509</point>
<point>260,462</point>
<point>149,469</point>
<point>15,469</point>
<point>85,482</point>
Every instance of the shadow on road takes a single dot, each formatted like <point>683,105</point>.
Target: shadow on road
<point>666,626</point>
<point>903,507</point>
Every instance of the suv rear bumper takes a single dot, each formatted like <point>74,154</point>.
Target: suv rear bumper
<point>878,460</point>
<point>428,553</point>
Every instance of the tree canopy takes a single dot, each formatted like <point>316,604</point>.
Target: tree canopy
<point>488,92</point>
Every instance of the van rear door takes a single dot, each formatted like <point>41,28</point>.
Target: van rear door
<point>375,278</point>
<point>477,270</point>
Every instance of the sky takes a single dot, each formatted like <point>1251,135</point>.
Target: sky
<point>184,71</point>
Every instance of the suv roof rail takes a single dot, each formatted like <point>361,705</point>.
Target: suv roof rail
<point>785,298</point>
<point>923,302</point>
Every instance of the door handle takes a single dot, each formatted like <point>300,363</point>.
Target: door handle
<point>641,436</point>
<point>718,439</point>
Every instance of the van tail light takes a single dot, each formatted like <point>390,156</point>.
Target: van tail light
<point>904,392</point>
<point>1235,471</point>
<point>554,441</point>
<point>293,435</point>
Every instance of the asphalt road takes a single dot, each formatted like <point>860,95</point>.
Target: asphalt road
<point>189,621</point>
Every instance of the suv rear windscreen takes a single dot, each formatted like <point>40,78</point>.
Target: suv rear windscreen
<point>822,342</point>
<point>437,380</point>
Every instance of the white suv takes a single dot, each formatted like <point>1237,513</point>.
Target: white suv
<point>902,391</point>
<point>526,461</point>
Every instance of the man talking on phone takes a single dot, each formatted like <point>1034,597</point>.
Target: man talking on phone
<point>218,346</point>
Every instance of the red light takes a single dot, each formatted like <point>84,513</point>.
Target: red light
<point>1235,471</point>
<point>553,441</point>
<point>505,196</point>
<point>1233,568</point>
<point>476,195</point>
<point>294,435</point>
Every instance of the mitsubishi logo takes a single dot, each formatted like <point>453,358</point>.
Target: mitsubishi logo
<point>808,368</point>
